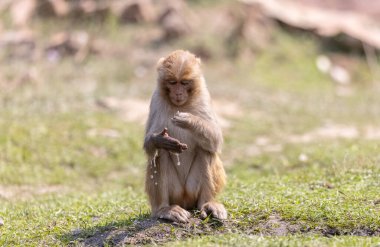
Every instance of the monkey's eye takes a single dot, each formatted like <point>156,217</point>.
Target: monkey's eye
<point>186,82</point>
<point>172,82</point>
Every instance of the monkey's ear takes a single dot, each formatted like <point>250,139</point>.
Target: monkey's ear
<point>198,60</point>
<point>159,63</point>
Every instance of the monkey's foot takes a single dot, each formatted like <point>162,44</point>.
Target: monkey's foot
<point>216,210</point>
<point>174,213</point>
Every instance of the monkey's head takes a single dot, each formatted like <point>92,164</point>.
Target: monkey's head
<point>179,77</point>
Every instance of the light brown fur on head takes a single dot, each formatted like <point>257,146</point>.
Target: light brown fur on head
<point>179,66</point>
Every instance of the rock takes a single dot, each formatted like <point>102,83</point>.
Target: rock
<point>323,64</point>
<point>350,26</point>
<point>78,44</point>
<point>5,4</point>
<point>135,11</point>
<point>337,67</point>
<point>251,31</point>
<point>20,44</point>
<point>90,9</point>
<point>173,22</point>
<point>61,7</point>
<point>22,12</point>
<point>340,75</point>
<point>59,46</point>
<point>53,8</point>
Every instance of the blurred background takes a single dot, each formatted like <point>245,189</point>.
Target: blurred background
<point>295,83</point>
<point>81,73</point>
<point>76,78</point>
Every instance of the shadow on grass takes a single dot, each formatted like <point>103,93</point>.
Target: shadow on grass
<point>145,230</point>
<point>141,230</point>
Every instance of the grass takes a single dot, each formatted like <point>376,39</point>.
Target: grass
<point>71,172</point>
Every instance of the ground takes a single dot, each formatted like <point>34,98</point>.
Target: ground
<point>301,156</point>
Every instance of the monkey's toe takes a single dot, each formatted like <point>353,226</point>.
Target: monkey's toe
<point>216,210</point>
<point>174,213</point>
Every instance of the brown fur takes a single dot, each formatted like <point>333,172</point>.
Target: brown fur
<point>179,65</point>
<point>194,184</point>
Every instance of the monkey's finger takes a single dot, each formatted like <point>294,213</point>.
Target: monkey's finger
<point>182,115</point>
<point>188,214</point>
<point>169,138</point>
<point>207,209</point>
<point>174,120</point>
<point>169,145</point>
<point>177,145</point>
<point>179,122</point>
<point>172,143</point>
<point>177,150</point>
<point>172,148</point>
<point>183,146</point>
<point>164,132</point>
<point>169,216</point>
<point>185,217</point>
<point>178,217</point>
<point>184,213</point>
<point>181,118</point>
<point>215,213</point>
<point>162,143</point>
<point>222,214</point>
<point>203,214</point>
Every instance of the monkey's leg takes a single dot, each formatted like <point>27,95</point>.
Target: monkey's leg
<point>160,186</point>
<point>209,170</point>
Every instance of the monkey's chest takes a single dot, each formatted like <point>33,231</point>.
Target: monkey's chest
<point>182,135</point>
<point>183,160</point>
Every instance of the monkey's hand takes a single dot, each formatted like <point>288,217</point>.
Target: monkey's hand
<point>183,119</point>
<point>164,141</point>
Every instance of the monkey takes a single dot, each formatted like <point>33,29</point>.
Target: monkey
<point>183,143</point>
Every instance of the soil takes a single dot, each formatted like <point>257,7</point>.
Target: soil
<point>25,192</point>
<point>152,231</point>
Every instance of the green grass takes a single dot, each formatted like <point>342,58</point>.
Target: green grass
<point>71,171</point>
<point>297,240</point>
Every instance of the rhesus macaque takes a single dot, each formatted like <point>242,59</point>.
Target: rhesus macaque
<point>183,141</point>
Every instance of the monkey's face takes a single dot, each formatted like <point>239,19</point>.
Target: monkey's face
<point>178,76</point>
<point>179,91</point>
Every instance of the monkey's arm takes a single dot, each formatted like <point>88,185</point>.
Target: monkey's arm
<point>208,133</point>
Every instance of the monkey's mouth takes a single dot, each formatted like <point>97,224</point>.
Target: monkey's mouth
<point>179,101</point>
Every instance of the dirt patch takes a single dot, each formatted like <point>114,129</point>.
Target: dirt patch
<point>275,226</point>
<point>335,131</point>
<point>136,110</point>
<point>265,144</point>
<point>11,192</point>
<point>152,231</point>
<point>226,110</point>
<point>262,145</point>
<point>362,232</point>
<point>130,110</point>
<point>331,131</point>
